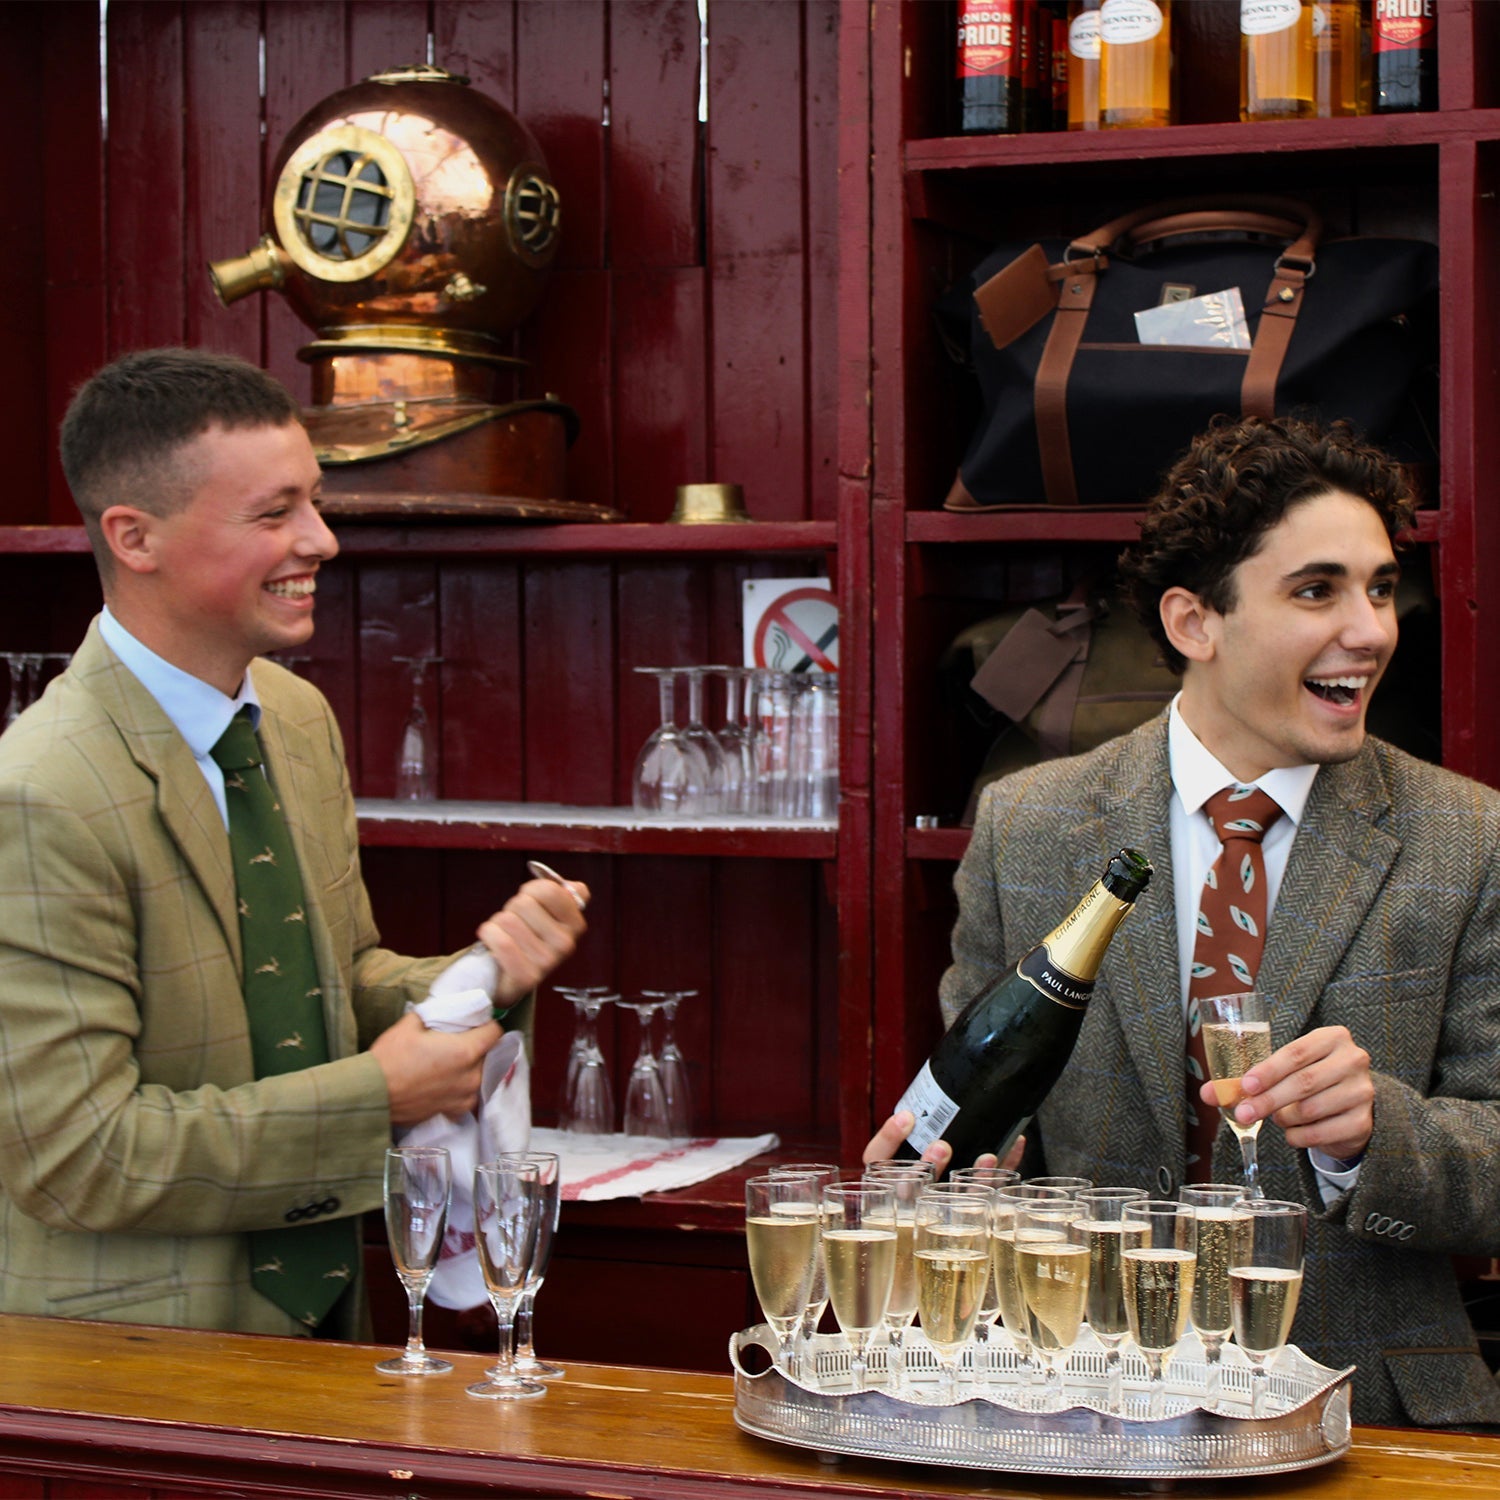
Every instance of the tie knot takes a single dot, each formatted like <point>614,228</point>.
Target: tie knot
<point>1242,812</point>
<point>237,748</point>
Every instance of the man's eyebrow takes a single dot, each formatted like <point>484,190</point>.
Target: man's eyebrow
<point>1390,569</point>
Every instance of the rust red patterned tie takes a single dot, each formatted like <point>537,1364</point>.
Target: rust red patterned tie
<point>1231,928</point>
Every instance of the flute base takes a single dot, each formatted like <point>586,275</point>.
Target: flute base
<point>1306,1420</point>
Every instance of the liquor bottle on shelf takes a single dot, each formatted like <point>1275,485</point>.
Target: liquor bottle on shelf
<point>1083,64</point>
<point>1036,66</point>
<point>1009,1045</point>
<point>1276,59</point>
<point>1403,46</point>
<point>1056,12</point>
<point>1135,64</point>
<point>988,55</point>
<point>1338,52</point>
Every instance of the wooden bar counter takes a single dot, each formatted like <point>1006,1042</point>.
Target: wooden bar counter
<point>115,1410</point>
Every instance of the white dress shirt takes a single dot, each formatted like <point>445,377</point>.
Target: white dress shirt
<point>1196,775</point>
<point>200,712</point>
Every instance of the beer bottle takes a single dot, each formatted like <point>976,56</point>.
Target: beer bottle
<point>988,67</point>
<point>1083,64</point>
<point>1135,63</point>
<point>1276,59</point>
<point>1404,54</point>
<point>1337,52</point>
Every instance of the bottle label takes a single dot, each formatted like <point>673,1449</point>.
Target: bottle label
<point>934,1109</point>
<point>1083,35</point>
<point>1404,24</point>
<point>1038,970</point>
<point>1122,22</point>
<point>1322,21</point>
<point>1263,17</point>
<point>987,39</point>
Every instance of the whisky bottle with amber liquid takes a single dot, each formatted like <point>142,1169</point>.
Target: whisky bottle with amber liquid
<point>1135,64</point>
<point>1276,59</point>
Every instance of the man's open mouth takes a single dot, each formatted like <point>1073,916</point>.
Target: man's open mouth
<point>1343,691</point>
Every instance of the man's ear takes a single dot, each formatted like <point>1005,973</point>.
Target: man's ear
<point>129,534</point>
<point>1187,622</point>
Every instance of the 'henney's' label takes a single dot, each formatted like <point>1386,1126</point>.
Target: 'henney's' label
<point>1042,974</point>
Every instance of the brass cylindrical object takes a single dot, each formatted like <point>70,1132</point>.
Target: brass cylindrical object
<point>704,504</point>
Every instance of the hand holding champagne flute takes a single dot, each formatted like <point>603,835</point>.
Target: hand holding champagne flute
<point>1236,1036</point>
<point>781,1234</point>
<point>859,1250</point>
<point>1265,1282</point>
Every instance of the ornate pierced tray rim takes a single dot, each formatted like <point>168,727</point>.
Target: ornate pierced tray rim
<point>1323,1412</point>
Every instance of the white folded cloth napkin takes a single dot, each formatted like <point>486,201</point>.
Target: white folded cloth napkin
<point>503,1124</point>
<point>626,1166</point>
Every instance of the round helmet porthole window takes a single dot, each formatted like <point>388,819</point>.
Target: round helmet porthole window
<point>344,203</point>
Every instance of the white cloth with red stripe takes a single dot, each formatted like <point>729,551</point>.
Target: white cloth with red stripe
<point>619,1166</point>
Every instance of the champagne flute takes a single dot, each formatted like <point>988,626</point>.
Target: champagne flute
<point>781,1234</point>
<point>506,1210</point>
<point>549,1206</point>
<point>1222,1227</point>
<point>1069,1185</point>
<point>1006,1206</point>
<point>952,1254</point>
<point>1100,1226</point>
<point>859,1249</point>
<point>906,1179</point>
<point>1053,1271</point>
<point>1236,1036</point>
<point>418,1188</point>
<point>1265,1281</point>
<point>817,1298</point>
<point>1159,1285</point>
<point>981,1182</point>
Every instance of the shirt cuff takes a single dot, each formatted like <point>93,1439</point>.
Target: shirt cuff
<point>1335,1177</point>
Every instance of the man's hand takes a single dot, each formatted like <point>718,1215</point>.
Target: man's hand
<point>431,1072</point>
<point>883,1145</point>
<point>1317,1088</point>
<point>532,934</point>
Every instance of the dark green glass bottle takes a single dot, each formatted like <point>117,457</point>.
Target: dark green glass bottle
<point>1009,1045</point>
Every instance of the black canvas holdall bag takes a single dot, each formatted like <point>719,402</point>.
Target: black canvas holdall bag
<point>1076,410</point>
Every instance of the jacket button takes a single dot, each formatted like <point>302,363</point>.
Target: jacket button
<point>329,1205</point>
<point>1163,1182</point>
<point>294,1215</point>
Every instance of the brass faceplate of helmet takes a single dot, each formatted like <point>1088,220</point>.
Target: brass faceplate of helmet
<point>344,204</point>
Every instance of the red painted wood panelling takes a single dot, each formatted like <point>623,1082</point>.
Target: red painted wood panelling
<point>824,247</point>
<point>386,34</point>
<point>477,39</point>
<point>397,604</point>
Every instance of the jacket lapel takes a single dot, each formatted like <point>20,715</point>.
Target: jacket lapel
<point>1339,861</point>
<point>183,799</point>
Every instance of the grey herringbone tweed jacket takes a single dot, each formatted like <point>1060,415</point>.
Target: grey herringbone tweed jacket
<point>1387,922</point>
<point>136,1145</point>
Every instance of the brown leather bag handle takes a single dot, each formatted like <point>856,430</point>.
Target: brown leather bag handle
<point>1087,257</point>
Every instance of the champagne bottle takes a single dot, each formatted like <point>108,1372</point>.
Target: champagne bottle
<point>1007,1048</point>
<point>1404,45</point>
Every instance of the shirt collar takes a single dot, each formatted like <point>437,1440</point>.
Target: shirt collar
<point>1197,773</point>
<point>198,710</point>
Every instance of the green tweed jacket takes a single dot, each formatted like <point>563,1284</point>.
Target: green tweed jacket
<point>137,1147</point>
<point>1388,922</point>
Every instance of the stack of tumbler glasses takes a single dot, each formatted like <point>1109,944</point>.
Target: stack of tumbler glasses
<point>1018,1276</point>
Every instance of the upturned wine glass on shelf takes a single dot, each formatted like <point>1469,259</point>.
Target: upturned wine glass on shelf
<point>1223,1226</point>
<point>549,1205</point>
<point>781,1234</point>
<point>672,1065</point>
<point>418,1188</point>
<point>1100,1226</point>
<point>1236,1036</point>
<point>506,1212</point>
<point>952,1254</point>
<point>587,1103</point>
<point>1265,1282</point>
<point>859,1251</point>
<point>705,741</point>
<point>1159,1275</point>
<point>417,758</point>
<point>671,777</point>
<point>735,740</point>
<point>645,1098</point>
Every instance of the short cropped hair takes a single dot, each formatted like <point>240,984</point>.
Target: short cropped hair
<point>1229,489</point>
<point>126,425</point>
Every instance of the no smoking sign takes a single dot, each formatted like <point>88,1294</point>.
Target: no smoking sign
<point>791,625</point>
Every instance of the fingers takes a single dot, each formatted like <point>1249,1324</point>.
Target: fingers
<point>1318,1089</point>
<point>1012,1157</point>
<point>882,1145</point>
<point>533,933</point>
<point>430,1072</point>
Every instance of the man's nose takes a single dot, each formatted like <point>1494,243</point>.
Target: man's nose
<point>315,538</point>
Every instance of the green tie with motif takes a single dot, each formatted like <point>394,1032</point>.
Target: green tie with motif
<point>305,1267</point>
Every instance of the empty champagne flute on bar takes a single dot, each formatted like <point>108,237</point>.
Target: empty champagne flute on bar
<point>1053,1271</point>
<point>1159,1285</point>
<point>1236,1036</point>
<point>859,1250</point>
<point>1265,1282</point>
<point>506,1210</point>
<point>823,1173</point>
<point>418,1188</point>
<point>952,1254</point>
<point>1100,1226</point>
<point>1223,1226</point>
<point>782,1226</point>
<point>549,1206</point>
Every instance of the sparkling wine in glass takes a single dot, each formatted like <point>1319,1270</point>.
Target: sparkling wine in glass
<point>1053,1271</point>
<point>507,1199</point>
<point>823,1173</point>
<point>781,1233</point>
<point>1100,1226</point>
<point>859,1250</point>
<point>952,1253</point>
<point>1265,1282</point>
<point>418,1186</point>
<point>1236,1036</point>
<point>906,1179</point>
<point>980,1183</point>
<point>1007,1205</point>
<point>1223,1227</point>
<point>549,1206</point>
<point>1159,1275</point>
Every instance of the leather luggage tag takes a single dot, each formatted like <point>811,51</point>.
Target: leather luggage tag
<point>1025,665</point>
<point>1017,297</point>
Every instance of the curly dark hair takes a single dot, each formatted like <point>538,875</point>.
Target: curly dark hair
<point>1229,489</point>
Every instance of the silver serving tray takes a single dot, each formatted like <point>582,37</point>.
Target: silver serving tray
<point>1306,1421</point>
